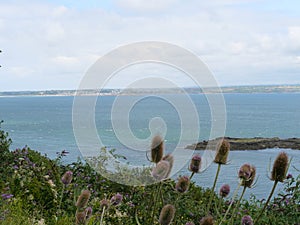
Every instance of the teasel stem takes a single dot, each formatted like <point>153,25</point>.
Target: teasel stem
<point>137,218</point>
<point>61,198</point>
<point>213,188</point>
<point>233,197</point>
<point>238,204</point>
<point>267,202</point>
<point>102,215</point>
<point>155,201</point>
<point>192,175</point>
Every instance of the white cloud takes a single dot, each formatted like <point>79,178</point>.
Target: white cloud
<point>239,44</point>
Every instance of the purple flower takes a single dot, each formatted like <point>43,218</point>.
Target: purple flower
<point>6,196</point>
<point>289,176</point>
<point>116,199</point>
<point>247,220</point>
<point>195,164</point>
<point>67,178</point>
<point>224,190</point>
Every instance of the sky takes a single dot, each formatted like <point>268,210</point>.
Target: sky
<point>51,44</point>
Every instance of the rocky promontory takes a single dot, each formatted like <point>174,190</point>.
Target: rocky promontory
<point>256,143</point>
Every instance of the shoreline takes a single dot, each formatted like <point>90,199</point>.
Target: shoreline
<point>256,143</point>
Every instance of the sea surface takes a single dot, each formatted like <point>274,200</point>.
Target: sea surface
<point>45,124</point>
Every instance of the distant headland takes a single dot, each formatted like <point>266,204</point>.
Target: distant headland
<point>142,91</point>
<point>256,143</point>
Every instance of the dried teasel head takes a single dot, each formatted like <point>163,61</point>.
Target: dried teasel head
<point>222,152</point>
<point>169,158</point>
<point>280,167</point>
<point>67,178</point>
<point>208,220</point>
<point>224,190</point>
<point>80,217</point>
<point>245,171</point>
<point>182,184</point>
<point>248,183</point>
<point>247,220</point>
<point>161,170</point>
<point>167,214</point>
<point>83,199</point>
<point>195,164</point>
<point>157,149</point>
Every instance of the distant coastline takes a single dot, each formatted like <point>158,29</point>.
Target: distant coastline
<point>256,143</point>
<point>141,91</point>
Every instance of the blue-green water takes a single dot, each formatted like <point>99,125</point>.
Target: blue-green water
<point>45,124</point>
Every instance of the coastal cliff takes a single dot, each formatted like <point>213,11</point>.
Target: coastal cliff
<point>256,143</point>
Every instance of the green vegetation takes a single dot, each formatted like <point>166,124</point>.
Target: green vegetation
<point>38,190</point>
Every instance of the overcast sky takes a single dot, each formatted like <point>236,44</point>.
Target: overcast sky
<point>50,44</point>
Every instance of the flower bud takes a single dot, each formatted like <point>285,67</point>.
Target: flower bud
<point>157,149</point>
<point>224,190</point>
<point>116,199</point>
<point>83,199</point>
<point>182,184</point>
<point>245,172</point>
<point>222,152</point>
<point>67,178</point>
<point>169,158</point>
<point>161,170</point>
<point>208,220</point>
<point>195,164</point>
<point>247,220</point>
<point>248,183</point>
<point>167,214</point>
<point>280,167</point>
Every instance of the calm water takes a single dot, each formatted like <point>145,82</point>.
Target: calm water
<point>45,124</point>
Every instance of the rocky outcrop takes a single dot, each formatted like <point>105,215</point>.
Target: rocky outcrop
<point>256,143</point>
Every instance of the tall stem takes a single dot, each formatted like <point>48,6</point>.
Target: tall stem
<point>267,202</point>
<point>155,201</point>
<point>61,198</point>
<point>238,204</point>
<point>233,197</point>
<point>102,215</point>
<point>213,188</point>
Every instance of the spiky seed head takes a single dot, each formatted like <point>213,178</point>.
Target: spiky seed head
<point>157,149</point>
<point>224,190</point>
<point>248,183</point>
<point>67,178</point>
<point>222,152</point>
<point>190,223</point>
<point>208,220</point>
<point>247,220</point>
<point>80,218</point>
<point>116,199</point>
<point>161,170</point>
<point>280,167</point>
<point>245,171</point>
<point>169,158</point>
<point>88,212</point>
<point>182,184</point>
<point>167,214</point>
<point>195,164</point>
<point>104,203</point>
<point>83,199</point>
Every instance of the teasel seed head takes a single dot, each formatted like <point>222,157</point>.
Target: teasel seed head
<point>169,158</point>
<point>222,152</point>
<point>88,212</point>
<point>83,199</point>
<point>116,199</point>
<point>190,223</point>
<point>157,149</point>
<point>67,178</point>
<point>245,171</point>
<point>195,164</point>
<point>224,190</point>
<point>80,218</point>
<point>280,167</point>
<point>161,170</point>
<point>167,214</point>
<point>247,220</point>
<point>182,184</point>
<point>208,220</point>
<point>248,183</point>
<point>104,203</point>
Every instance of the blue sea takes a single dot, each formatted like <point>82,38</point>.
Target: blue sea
<point>45,124</point>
